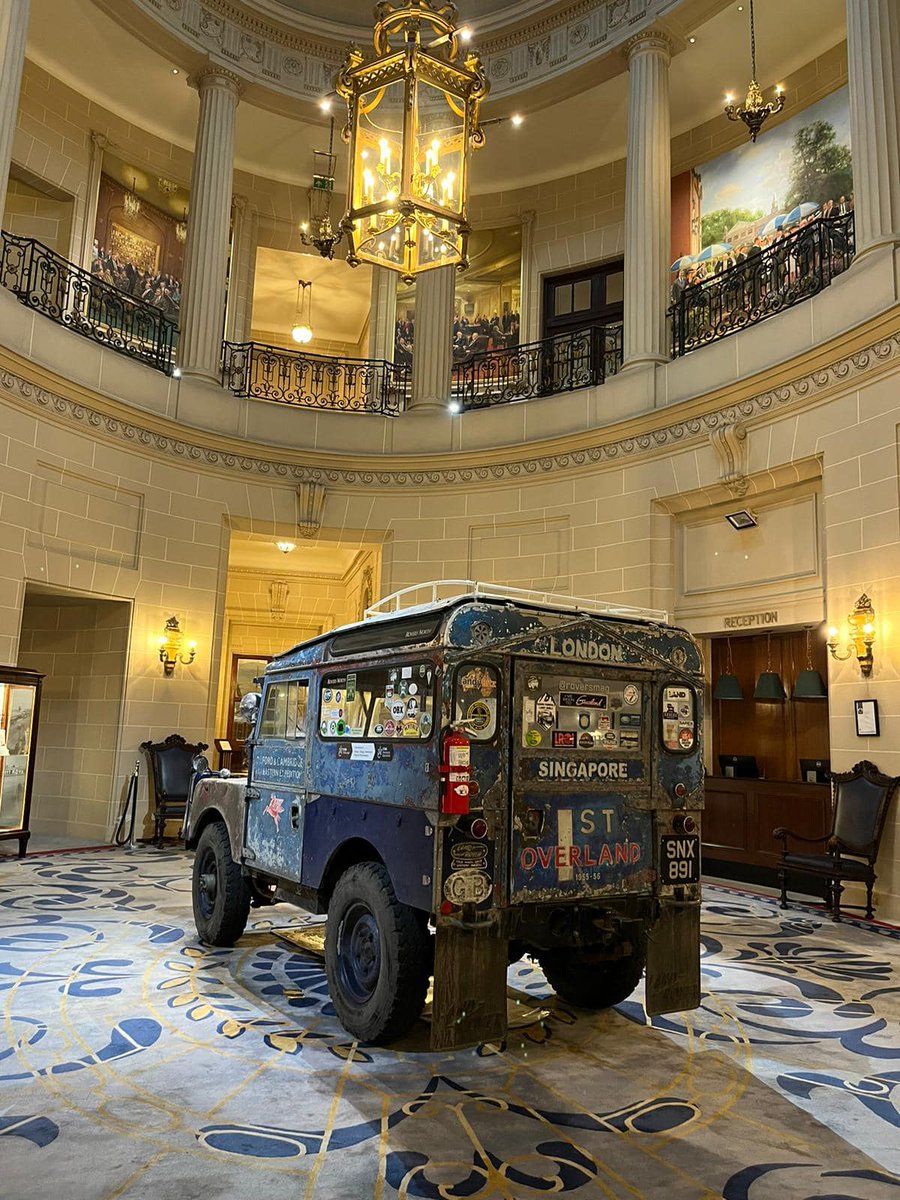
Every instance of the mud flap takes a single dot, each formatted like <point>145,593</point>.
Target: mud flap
<point>469,999</point>
<point>673,964</point>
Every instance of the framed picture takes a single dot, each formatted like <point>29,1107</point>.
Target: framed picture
<point>866,718</point>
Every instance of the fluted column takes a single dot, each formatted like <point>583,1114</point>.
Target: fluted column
<point>648,200</point>
<point>99,142</point>
<point>433,338</point>
<point>206,251</point>
<point>383,314</point>
<point>244,241</point>
<point>873,64</point>
<point>13,30</point>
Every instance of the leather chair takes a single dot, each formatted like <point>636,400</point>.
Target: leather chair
<point>859,800</point>
<point>170,771</point>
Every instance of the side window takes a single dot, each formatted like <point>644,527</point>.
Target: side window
<point>475,693</point>
<point>284,715</point>
<point>383,703</point>
<point>678,719</point>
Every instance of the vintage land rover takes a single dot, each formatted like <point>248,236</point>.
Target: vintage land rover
<point>458,781</point>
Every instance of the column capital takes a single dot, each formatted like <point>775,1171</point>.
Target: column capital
<point>99,140</point>
<point>214,76</point>
<point>648,41</point>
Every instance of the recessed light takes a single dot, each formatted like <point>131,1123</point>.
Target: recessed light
<point>517,119</point>
<point>325,104</point>
<point>175,71</point>
<point>692,40</point>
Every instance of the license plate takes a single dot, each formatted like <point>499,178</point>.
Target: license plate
<point>679,858</point>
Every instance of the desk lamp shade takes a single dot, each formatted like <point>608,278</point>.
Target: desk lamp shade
<point>728,686</point>
<point>810,684</point>
<point>769,687</point>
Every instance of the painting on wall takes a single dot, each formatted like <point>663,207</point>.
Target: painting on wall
<point>796,171</point>
<point>140,252</point>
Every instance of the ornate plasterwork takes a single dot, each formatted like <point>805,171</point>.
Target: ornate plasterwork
<point>665,437</point>
<point>270,53</point>
<point>729,440</point>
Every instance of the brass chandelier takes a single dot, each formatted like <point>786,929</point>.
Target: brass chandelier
<point>412,123</point>
<point>318,229</point>
<point>755,111</point>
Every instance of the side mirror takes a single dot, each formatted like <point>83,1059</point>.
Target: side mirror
<point>249,706</point>
<point>200,764</point>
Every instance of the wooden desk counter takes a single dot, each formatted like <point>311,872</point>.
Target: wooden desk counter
<point>740,814</point>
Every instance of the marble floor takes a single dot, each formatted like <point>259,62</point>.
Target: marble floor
<point>136,1063</point>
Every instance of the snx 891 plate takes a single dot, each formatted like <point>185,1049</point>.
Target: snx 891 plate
<point>679,858</point>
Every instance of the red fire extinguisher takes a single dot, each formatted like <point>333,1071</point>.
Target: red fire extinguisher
<point>456,771</point>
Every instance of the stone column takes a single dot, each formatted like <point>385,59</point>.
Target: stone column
<point>873,64</point>
<point>13,30</point>
<point>383,314</point>
<point>99,142</point>
<point>433,339</point>
<point>244,240</point>
<point>206,250</point>
<point>648,199</point>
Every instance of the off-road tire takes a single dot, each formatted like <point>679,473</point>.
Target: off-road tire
<point>581,976</point>
<point>220,918</point>
<point>384,1007</point>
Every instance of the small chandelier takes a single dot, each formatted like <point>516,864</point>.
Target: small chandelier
<point>755,111</point>
<point>132,202</point>
<point>412,122</point>
<point>301,330</point>
<point>181,228</point>
<point>318,230</point>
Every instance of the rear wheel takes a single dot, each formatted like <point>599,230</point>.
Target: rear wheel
<point>377,956</point>
<point>586,976</point>
<point>221,897</point>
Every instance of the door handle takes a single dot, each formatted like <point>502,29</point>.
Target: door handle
<point>295,815</point>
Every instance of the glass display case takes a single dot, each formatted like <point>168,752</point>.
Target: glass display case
<point>20,702</point>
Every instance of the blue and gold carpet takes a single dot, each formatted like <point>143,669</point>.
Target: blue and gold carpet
<point>135,1063</point>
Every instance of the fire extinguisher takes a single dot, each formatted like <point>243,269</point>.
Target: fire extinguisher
<point>456,772</point>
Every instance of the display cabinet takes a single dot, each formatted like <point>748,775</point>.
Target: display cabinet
<point>20,704</point>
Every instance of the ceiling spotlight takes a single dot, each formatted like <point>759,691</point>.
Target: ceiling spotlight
<point>454,406</point>
<point>174,70</point>
<point>286,547</point>
<point>517,119</point>
<point>464,34</point>
<point>692,40</point>
<point>742,519</point>
<point>325,104</point>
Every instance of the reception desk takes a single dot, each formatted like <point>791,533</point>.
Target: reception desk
<point>740,815</point>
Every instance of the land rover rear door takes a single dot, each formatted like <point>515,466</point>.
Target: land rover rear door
<point>581,759</point>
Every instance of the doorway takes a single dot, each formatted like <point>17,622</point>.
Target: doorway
<point>80,643</point>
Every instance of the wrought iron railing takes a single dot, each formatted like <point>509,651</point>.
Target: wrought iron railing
<point>555,364</point>
<point>312,381</point>
<point>767,282</point>
<point>73,297</point>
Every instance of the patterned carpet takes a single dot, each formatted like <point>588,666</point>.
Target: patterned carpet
<point>135,1063</point>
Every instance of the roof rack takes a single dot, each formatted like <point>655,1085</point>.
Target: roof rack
<point>440,592</point>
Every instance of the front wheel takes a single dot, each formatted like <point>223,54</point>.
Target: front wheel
<point>377,956</point>
<point>584,977</point>
<point>220,895</point>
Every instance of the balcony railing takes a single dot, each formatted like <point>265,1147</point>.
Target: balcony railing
<point>311,381</point>
<point>555,364</point>
<point>791,270</point>
<point>73,297</point>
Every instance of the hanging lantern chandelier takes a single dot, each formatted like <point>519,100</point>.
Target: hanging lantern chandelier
<point>412,123</point>
<point>181,228</point>
<point>301,330</point>
<point>132,201</point>
<point>755,111</point>
<point>318,230</point>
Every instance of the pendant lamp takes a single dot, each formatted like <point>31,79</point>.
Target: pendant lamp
<point>769,687</point>
<point>728,686</point>
<point>809,685</point>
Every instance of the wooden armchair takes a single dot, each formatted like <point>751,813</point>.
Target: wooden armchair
<point>170,772</point>
<point>859,799</point>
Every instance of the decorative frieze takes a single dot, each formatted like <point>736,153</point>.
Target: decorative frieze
<point>667,436</point>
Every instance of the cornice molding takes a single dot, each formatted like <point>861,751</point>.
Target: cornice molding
<point>270,53</point>
<point>791,386</point>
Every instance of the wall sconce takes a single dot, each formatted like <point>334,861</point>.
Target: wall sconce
<point>861,635</point>
<point>170,647</point>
